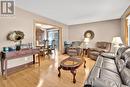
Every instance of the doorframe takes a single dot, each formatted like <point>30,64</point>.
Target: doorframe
<point>56,26</point>
<point>126,29</point>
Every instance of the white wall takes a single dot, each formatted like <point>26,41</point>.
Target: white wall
<point>104,31</point>
<point>24,21</point>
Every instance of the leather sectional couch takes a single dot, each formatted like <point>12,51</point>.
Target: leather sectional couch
<point>111,71</point>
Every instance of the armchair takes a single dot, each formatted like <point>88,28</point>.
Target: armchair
<point>74,49</point>
<point>100,47</point>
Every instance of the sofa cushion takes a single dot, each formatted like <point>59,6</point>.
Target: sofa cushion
<point>108,60</point>
<point>110,66</point>
<point>110,76</point>
<point>125,75</point>
<point>106,63</point>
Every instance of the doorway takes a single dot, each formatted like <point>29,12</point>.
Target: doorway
<point>43,32</point>
<point>53,34</point>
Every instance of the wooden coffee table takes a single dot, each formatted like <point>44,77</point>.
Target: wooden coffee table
<point>71,64</point>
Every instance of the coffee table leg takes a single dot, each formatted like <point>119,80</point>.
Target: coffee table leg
<point>74,74</point>
<point>84,64</point>
<point>59,71</point>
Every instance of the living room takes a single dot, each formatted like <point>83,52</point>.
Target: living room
<point>74,22</point>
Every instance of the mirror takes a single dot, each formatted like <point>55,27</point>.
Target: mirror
<point>15,36</point>
<point>89,34</point>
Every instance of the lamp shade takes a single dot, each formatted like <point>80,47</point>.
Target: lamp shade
<point>117,40</point>
<point>86,40</point>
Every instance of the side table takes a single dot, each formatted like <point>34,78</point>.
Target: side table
<point>85,51</point>
<point>5,56</point>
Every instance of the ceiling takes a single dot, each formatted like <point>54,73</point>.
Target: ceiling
<point>76,11</point>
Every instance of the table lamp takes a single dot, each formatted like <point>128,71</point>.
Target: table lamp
<point>117,42</point>
<point>86,40</point>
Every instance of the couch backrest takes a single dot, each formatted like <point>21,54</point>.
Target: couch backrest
<point>126,58</point>
<point>104,45</point>
<point>121,50</point>
<point>123,58</point>
<point>123,64</point>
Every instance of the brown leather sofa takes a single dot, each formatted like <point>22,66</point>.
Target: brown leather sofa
<point>111,71</point>
<point>100,47</point>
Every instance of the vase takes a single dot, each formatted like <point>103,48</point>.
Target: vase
<point>18,47</point>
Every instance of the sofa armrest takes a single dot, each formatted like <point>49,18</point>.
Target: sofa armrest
<point>108,55</point>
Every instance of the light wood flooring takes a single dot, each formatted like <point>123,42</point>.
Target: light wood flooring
<point>46,75</point>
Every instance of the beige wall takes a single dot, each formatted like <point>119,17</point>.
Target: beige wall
<point>24,21</point>
<point>123,25</point>
<point>104,31</point>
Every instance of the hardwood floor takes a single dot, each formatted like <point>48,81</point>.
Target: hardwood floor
<point>46,75</point>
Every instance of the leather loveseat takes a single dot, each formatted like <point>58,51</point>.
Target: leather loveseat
<point>100,47</point>
<point>111,71</point>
